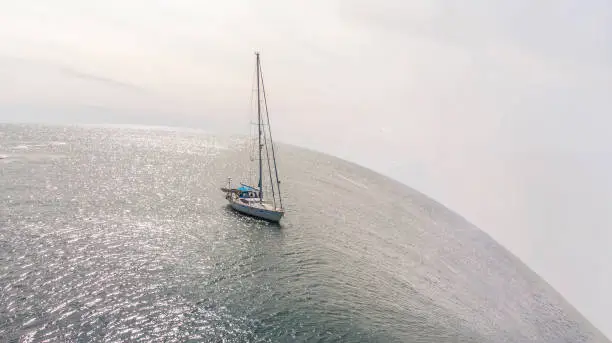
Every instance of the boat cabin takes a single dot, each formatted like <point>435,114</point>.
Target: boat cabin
<point>246,192</point>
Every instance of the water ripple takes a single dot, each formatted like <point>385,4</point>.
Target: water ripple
<point>122,235</point>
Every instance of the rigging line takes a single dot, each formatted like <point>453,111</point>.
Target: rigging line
<point>253,89</point>
<point>269,167</point>
<point>280,199</point>
<point>250,148</point>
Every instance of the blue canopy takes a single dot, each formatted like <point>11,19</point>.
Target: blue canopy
<point>244,188</point>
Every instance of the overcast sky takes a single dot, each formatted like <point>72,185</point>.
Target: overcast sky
<point>498,109</point>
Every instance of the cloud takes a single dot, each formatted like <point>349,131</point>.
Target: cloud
<point>100,79</point>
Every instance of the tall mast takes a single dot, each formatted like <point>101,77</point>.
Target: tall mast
<point>265,138</point>
<point>280,198</point>
<point>259,129</point>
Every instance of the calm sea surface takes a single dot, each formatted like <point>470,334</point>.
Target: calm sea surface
<point>117,234</point>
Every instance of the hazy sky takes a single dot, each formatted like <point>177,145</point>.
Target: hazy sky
<point>498,109</point>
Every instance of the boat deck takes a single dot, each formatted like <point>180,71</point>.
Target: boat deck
<point>254,202</point>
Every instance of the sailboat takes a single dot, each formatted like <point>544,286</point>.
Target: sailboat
<point>248,199</point>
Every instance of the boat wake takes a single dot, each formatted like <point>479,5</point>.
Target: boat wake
<point>358,184</point>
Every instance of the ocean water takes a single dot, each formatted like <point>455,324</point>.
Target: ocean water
<point>122,234</point>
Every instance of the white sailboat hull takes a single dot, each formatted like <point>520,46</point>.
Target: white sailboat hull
<point>258,210</point>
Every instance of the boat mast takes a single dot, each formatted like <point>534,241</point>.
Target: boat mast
<point>259,129</point>
<point>265,138</point>
<point>280,198</point>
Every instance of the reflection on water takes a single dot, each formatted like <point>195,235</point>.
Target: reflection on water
<point>113,234</point>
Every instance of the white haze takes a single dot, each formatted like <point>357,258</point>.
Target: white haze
<point>498,109</point>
